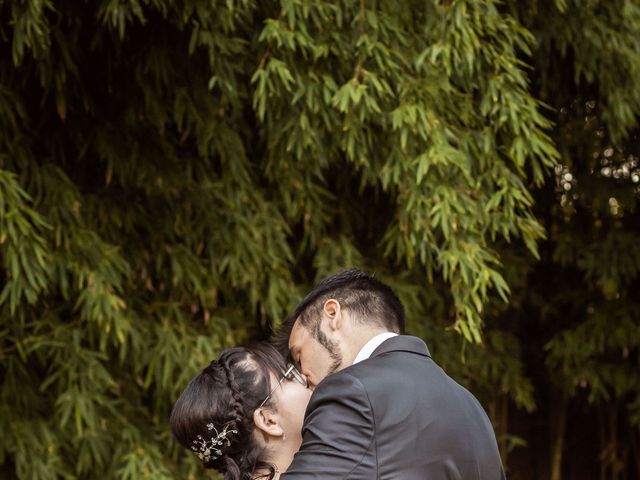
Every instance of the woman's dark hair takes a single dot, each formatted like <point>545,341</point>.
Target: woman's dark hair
<point>226,394</point>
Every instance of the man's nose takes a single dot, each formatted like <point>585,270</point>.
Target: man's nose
<point>310,380</point>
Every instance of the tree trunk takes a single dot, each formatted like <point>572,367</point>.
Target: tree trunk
<point>602,434</point>
<point>504,428</point>
<point>558,428</point>
<point>498,411</point>
<point>634,436</point>
<point>612,462</point>
<point>616,461</point>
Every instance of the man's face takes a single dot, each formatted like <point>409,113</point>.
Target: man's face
<point>316,360</point>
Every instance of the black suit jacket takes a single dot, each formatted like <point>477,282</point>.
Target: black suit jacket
<point>395,416</point>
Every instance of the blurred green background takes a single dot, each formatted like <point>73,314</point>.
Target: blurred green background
<point>175,175</point>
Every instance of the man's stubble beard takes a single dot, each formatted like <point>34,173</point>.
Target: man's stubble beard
<point>331,347</point>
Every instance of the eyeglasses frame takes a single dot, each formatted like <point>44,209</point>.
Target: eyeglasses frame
<point>297,375</point>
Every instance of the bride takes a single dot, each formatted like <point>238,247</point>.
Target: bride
<point>242,415</point>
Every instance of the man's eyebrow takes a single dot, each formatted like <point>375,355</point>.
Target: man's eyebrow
<point>289,354</point>
<point>294,353</point>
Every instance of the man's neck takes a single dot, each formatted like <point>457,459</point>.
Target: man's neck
<point>372,345</point>
<point>361,338</point>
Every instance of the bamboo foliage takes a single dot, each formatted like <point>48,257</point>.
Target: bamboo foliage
<point>175,174</point>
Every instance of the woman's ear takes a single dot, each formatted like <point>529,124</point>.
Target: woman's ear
<point>268,422</point>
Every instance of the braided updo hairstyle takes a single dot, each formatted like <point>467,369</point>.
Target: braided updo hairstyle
<point>225,394</point>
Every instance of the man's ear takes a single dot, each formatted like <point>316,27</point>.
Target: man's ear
<point>268,422</point>
<point>333,313</point>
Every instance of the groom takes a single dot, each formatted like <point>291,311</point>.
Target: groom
<point>382,408</point>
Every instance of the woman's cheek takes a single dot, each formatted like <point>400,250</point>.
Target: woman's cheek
<point>298,404</point>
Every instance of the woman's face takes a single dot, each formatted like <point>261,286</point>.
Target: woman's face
<point>291,400</point>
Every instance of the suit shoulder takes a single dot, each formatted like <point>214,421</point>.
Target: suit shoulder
<point>342,381</point>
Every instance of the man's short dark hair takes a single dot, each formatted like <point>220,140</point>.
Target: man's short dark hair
<point>369,300</point>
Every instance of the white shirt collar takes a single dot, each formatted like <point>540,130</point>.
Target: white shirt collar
<point>371,345</point>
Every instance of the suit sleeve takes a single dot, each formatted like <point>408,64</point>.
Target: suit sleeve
<point>338,432</point>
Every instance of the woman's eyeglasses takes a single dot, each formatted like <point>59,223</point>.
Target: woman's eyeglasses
<point>291,374</point>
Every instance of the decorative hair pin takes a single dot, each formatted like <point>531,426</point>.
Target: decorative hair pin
<point>208,450</point>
